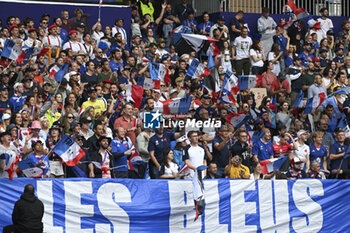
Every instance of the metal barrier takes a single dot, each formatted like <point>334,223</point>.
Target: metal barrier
<point>335,7</point>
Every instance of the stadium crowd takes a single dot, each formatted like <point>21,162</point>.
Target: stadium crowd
<point>91,103</point>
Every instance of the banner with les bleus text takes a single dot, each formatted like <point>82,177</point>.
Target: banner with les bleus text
<point>127,205</point>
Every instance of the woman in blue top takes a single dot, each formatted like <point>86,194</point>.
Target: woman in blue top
<point>318,151</point>
<point>39,158</point>
<point>180,144</point>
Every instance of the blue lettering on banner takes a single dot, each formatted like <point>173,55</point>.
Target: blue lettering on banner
<point>125,205</point>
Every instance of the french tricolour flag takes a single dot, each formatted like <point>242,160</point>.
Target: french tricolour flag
<point>273,103</point>
<point>299,102</point>
<point>10,161</point>
<point>228,98</point>
<point>36,51</point>
<point>183,168</point>
<point>69,151</point>
<point>159,71</point>
<point>197,70</point>
<point>177,105</point>
<point>290,7</point>
<point>101,2</point>
<point>209,91</point>
<point>230,83</point>
<point>271,165</point>
<point>134,94</point>
<point>29,169</point>
<point>148,83</point>
<point>314,103</point>
<point>237,119</point>
<point>249,81</point>
<point>12,51</point>
<point>57,72</point>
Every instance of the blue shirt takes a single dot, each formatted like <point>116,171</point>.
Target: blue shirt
<point>336,148</point>
<point>288,61</point>
<point>282,41</point>
<point>332,124</point>
<point>115,67</point>
<point>120,146</point>
<point>318,153</point>
<point>262,150</point>
<point>17,101</point>
<point>160,144</point>
<point>221,158</point>
<point>205,26</point>
<point>304,56</point>
<point>5,105</point>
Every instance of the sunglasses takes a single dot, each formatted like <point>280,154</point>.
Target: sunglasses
<point>162,85</point>
<point>70,117</point>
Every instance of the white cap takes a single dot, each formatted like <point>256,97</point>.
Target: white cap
<point>72,73</point>
<point>181,139</point>
<point>300,132</point>
<point>17,85</point>
<point>6,116</point>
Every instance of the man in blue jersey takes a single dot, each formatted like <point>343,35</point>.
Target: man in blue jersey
<point>157,144</point>
<point>339,165</point>
<point>18,99</point>
<point>221,150</point>
<point>263,149</point>
<point>121,150</point>
<point>5,103</point>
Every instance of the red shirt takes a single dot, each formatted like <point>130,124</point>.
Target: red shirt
<point>281,150</point>
<point>276,85</point>
<point>122,122</point>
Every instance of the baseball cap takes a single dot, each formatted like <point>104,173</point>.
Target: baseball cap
<point>181,139</point>
<point>316,59</point>
<point>6,116</point>
<point>91,89</point>
<point>282,76</point>
<point>172,91</point>
<point>179,79</point>
<point>205,96</point>
<point>323,50</point>
<point>221,18</point>
<point>17,85</point>
<point>3,88</point>
<point>80,25</point>
<point>72,73</point>
<point>337,49</point>
<point>47,83</point>
<point>295,160</point>
<point>300,132</point>
<point>75,136</point>
<point>107,81</point>
<point>10,127</point>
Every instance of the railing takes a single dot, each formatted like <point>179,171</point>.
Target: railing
<point>335,7</point>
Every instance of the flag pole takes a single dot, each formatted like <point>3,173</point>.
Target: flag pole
<point>99,9</point>
<point>341,163</point>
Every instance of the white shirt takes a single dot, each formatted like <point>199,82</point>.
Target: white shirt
<point>75,46</point>
<point>173,168</point>
<point>161,53</point>
<point>195,154</point>
<point>116,29</point>
<point>326,24</point>
<point>276,66</point>
<point>52,41</point>
<point>301,153</point>
<point>29,42</point>
<point>97,36</point>
<point>242,47</point>
<point>257,54</point>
